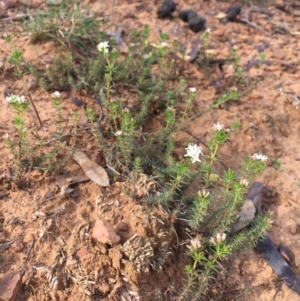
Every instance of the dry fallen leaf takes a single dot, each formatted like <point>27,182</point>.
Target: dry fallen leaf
<point>220,15</point>
<point>94,171</point>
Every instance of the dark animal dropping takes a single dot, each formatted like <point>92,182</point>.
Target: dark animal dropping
<point>171,4</point>
<point>166,9</point>
<point>232,12</point>
<point>187,14</point>
<point>196,23</point>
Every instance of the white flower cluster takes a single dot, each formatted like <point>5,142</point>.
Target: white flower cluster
<point>193,151</point>
<point>15,98</point>
<point>164,45</point>
<point>193,89</point>
<point>118,133</point>
<point>55,94</point>
<point>218,127</point>
<point>218,239</point>
<point>259,156</point>
<point>103,47</point>
<point>195,244</point>
<point>203,193</point>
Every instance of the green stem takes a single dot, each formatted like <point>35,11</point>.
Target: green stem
<point>212,159</point>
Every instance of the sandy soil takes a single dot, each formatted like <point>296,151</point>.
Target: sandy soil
<point>64,255</point>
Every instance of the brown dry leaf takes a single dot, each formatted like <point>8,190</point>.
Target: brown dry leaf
<point>229,71</point>
<point>94,171</point>
<point>8,285</point>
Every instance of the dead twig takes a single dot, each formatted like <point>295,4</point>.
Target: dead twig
<point>35,110</point>
<point>290,201</point>
<point>27,257</point>
<point>15,18</point>
<point>246,18</point>
<point>4,195</point>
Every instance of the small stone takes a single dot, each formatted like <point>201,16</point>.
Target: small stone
<point>232,12</point>
<point>81,253</point>
<point>292,226</point>
<point>32,85</point>
<point>104,288</point>
<point>296,253</point>
<point>17,246</point>
<point>101,273</point>
<point>186,14</point>
<point>122,227</point>
<point>105,233</point>
<point>197,23</point>
<point>280,4</point>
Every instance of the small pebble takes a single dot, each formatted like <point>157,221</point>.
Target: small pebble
<point>122,227</point>
<point>187,14</point>
<point>197,23</point>
<point>232,12</point>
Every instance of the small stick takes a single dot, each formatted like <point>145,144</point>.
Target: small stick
<point>35,110</point>
<point>290,201</point>
<point>246,19</point>
<point>15,18</point>
<point>27,257</point>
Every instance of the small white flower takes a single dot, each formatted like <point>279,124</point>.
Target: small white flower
<point>193,151</point>
<point>147,56</point>
<point>171,109</point>
<point>118,133</point>
<point>212,241</point>
<point>208,30</point>
<point>193,89</point>
<point>6,136</point>
<point>55,94</point>
<point>9,99</point>
<point>164,45</point>
<point>259,156</point>
<point>220,237</point>
<point>195,244</point>
<point>22,99</point>
<point>203,193</point>
<point>218,127</point>
<point>103,47</point>
<point>15,98</point>
<point>244,182</point>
